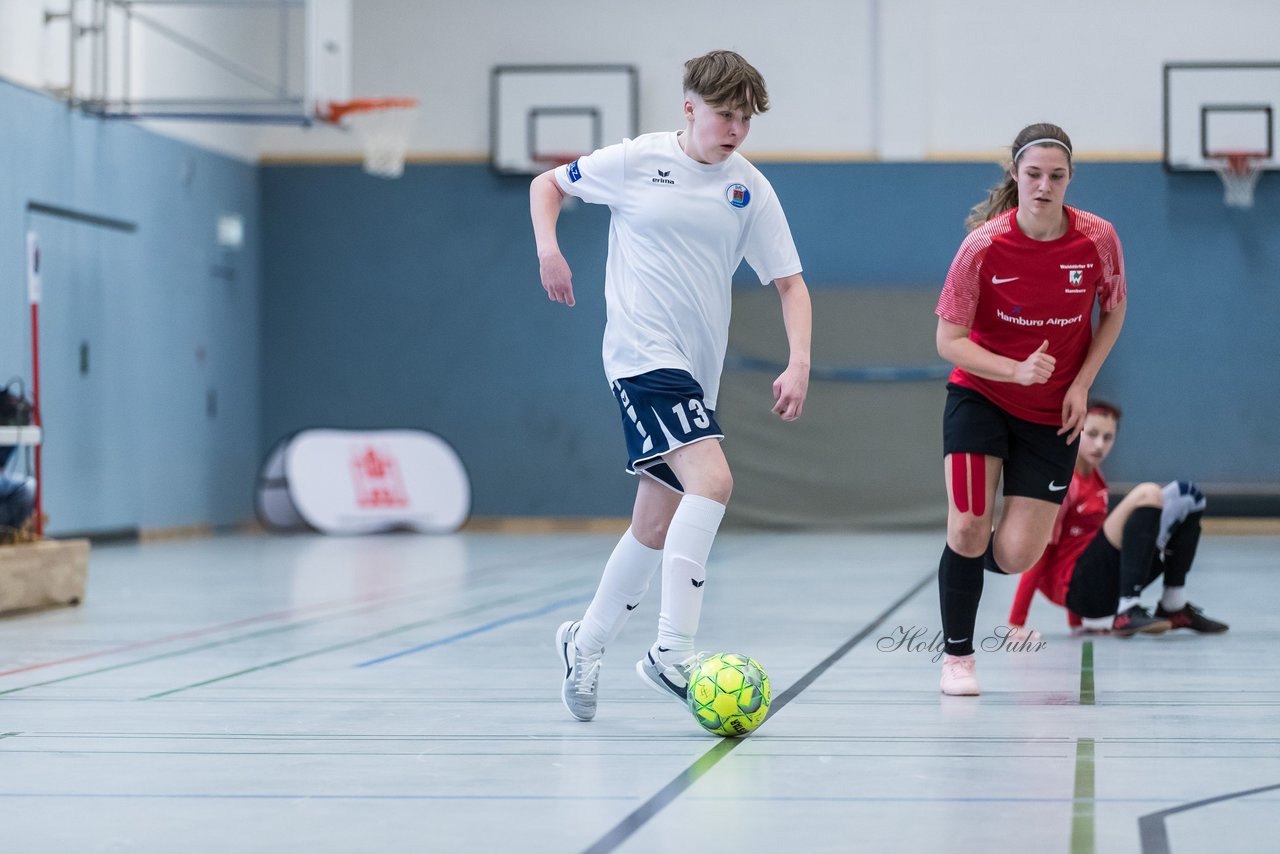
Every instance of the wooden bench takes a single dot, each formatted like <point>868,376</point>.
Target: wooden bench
<point>42,574</point>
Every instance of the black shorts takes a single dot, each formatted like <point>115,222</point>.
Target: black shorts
<point>1037,461</point>
<point>1094,590</point>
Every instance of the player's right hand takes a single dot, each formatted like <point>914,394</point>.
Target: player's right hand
<point>557,278</point>
<point>1036,368</point>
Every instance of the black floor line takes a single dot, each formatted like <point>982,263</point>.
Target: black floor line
<point>623,831</point>
<point>1154,834</point>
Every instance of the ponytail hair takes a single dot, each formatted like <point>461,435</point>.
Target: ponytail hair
<point>1004,196</point>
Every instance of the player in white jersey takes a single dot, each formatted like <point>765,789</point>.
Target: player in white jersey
<point>686,209</point>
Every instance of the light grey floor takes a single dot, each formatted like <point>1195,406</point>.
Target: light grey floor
<point>401,693</point>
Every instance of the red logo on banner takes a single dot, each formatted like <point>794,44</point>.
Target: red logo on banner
<point>377,479</point>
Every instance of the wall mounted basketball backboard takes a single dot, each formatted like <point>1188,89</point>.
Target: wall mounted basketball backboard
<point>271,61</point>
<point>1213,110</point>
<point>544,115</point>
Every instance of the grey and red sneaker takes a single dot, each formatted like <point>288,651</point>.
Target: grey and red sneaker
<point>1191,617</point>
<point>1135,620</point>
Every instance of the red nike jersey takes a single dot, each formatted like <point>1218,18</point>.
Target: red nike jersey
<point>1079,519</point>
<point>1014,293</point>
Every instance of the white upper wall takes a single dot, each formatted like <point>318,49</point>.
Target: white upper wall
<point>895,79</point>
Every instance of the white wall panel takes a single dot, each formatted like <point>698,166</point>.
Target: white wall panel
<point>904,79</point>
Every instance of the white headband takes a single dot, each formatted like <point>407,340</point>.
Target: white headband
<point>1042,142</point>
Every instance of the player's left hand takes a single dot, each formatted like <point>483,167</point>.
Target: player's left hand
<point>1075,406</point>
<point>789,391</point>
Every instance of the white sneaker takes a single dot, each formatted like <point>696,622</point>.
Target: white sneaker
<point>581,673</point>
<point>671,680</point>
<point>958,679</point>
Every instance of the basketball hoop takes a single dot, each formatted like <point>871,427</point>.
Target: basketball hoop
<point>1239,171</point>
<point>383,125</point>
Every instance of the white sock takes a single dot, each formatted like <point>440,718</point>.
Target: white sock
<point>1174,598</point>
<point>623,584</point>
<point>1096,623</point>
<point>1181,499</point>
<point>684,571</point>
<point>1126,602</point>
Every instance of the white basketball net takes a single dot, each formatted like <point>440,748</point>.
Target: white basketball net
<point>384,133</point>
<point>1239,174</point>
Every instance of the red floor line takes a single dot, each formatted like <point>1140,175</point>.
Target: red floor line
<point>194,633</point>
<point>222,627</point>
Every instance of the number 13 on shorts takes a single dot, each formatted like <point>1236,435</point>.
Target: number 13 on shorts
<point>700,418</point>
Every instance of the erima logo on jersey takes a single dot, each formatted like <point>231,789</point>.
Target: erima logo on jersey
<point>574,174</point>
<point>737,195</point>
<point>663,178</point>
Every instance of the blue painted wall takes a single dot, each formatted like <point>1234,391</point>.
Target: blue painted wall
<point>359,302</point>
<point>417,303</point>
<point>173,318</point>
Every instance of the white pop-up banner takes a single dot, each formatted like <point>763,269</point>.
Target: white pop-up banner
<point>363,482</point>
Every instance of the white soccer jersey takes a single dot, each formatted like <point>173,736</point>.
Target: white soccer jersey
<point>678,231</point>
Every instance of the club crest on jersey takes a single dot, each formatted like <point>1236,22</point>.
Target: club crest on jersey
<point>738,195</point>
<point>1075,277</point>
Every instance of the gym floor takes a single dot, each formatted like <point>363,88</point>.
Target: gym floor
<point>401,693</point>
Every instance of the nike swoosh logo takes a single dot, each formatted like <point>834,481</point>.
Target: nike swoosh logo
<point>697,583</point>
<point>1053,487</point>
<point>955,640</point>
<point>996,281</point>
<point>633,607</point>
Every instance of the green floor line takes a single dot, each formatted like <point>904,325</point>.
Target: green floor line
<point>282,629</point>
<point>257,668</point>
<point>1086,674</point>
<point>1082,830</point>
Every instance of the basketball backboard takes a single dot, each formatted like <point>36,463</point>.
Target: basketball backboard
<point>270,61</point>
<point>1212,109</point>
<point>539,114</point>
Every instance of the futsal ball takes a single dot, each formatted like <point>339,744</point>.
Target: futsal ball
<point>729,694</point>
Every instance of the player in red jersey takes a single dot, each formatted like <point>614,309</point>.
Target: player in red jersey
<point>1016,319</point>
<point>1099,559</point>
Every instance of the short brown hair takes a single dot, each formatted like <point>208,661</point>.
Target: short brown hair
<point>723,78</point>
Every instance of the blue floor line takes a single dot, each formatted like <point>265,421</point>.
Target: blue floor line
<point>514,618</point>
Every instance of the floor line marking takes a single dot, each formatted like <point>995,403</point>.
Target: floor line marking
<point>1153,834</point>
<point>490,626</point>
<point>391,595</point>
<point>259,634</point>
<point>358,641</point>
<point>1086,674</point>
<point>523,797</point>
<point>1082,799</point>
<point>623,831</point>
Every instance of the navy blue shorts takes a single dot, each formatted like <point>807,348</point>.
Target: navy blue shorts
<point>661,411</point>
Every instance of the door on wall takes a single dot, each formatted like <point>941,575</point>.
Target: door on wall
<point>88,373</point>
